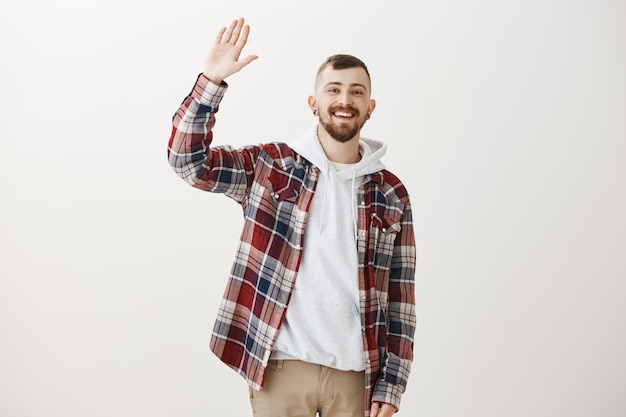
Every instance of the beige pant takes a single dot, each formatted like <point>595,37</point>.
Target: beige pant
<point>301,389</point>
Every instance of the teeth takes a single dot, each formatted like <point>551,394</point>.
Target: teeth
<point>342,114</point>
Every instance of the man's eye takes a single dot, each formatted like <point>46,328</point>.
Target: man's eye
<point>332,90</point>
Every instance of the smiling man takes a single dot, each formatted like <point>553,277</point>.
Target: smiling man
<point>318,315</point>
<point>342,91</point>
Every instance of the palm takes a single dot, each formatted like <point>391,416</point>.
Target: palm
<point>224,59</point>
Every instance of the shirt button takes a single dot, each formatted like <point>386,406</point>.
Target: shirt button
<point>362,233</point>
<point>276,196</point>
<point>362,203</point>
<point>384,230</point>
<point>363,298</point>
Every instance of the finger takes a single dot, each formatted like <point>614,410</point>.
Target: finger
<point>387,410</point>
<point>245,61</point>
<point>243,39</point>
<point>229,32</point>
<point>218,38</point>
<point>236,31</point>
<point>374,410</point>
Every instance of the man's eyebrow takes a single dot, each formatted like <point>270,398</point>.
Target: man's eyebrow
<point>351,85</point>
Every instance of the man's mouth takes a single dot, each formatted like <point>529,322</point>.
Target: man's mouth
<point>344,113</point>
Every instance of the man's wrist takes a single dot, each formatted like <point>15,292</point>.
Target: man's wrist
<point>215,79</point>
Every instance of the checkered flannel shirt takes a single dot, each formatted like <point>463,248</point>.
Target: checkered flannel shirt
<point>274,186</point>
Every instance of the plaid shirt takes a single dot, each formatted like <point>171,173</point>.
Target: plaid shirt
<point>274,186</point>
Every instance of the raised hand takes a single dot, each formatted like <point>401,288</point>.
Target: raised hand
<point>223,58</point>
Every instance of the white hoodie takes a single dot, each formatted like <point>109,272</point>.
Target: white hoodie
<point>322,324</point>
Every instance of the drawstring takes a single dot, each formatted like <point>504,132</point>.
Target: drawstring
<point>353,209</point>
<point>327,180</point>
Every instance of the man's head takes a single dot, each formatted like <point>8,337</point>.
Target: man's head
<point>342,96</point>
<point>342,61</point>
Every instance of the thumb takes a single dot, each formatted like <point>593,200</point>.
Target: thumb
<point>245,61</point>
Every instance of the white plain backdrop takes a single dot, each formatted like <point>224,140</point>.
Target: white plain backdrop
<point>505,119</point>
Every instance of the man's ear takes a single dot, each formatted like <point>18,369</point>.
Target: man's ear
<point>312,103</point>
<point>371,106</point>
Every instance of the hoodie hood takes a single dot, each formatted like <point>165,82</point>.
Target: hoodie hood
<point>308,145</point>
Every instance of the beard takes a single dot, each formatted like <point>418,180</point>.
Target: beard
<point>342,132</point>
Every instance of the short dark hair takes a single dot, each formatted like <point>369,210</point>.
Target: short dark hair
<point>343,61</point>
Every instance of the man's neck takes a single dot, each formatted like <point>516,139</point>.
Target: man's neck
<point>342,152</point>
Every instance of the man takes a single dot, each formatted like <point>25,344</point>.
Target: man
<point>318,314</point>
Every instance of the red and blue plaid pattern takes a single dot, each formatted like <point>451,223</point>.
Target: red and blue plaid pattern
<point>275,186</point>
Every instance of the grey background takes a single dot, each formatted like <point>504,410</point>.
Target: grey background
<point>505,119</point>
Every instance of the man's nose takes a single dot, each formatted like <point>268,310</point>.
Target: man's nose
<point>345,98</point>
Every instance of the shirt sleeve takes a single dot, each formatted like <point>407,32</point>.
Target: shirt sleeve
<point>401,316</point>
<point>220,169</point>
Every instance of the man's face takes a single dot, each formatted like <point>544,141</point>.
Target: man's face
<point>342,98</point>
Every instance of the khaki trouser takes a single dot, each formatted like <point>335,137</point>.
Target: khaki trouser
<point>300,389</point>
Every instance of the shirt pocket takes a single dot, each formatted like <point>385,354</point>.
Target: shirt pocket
<point>384,227</point>
<point>284,185</point>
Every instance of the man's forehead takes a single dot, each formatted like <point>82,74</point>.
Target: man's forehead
<point>344,76</point>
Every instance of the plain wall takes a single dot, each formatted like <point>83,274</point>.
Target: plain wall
<point>505,120</point>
